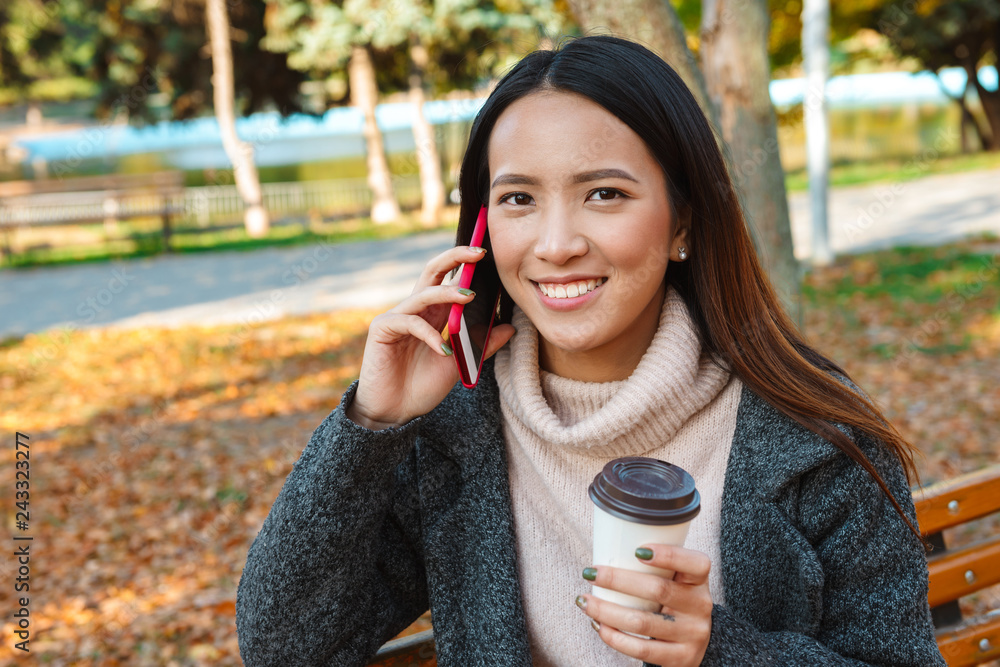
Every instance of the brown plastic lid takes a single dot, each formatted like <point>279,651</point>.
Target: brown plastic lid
<point>644,490</point>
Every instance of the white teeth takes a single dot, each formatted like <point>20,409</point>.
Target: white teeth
<point>570,290</point>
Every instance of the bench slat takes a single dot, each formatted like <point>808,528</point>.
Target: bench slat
<point>971,494</point>
<point>413,651</point>
<point>963,646</point>
<point>955,574</point>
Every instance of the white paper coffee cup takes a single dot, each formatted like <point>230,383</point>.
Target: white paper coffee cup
<point>638,501</point>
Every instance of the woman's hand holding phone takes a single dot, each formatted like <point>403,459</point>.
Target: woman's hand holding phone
<point>406,372</point>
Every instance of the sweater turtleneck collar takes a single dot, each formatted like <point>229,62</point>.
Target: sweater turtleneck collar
<point>672,382</point>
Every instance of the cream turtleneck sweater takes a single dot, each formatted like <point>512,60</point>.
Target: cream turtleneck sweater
<point>676,406</point>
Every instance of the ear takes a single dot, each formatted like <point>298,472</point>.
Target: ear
<point>681,235</point>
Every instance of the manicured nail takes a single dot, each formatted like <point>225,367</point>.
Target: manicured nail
<point>589,573</point>
<point>581,602</point>
<point>594,624</point>
<point>466,292</point>
<point>446,348</point>
<point>644,553</point>
<point>475,248</point>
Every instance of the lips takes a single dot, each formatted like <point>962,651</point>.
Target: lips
<point>570,289</point>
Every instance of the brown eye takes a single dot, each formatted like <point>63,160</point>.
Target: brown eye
<point>605,194</point>
<point>516,198</point>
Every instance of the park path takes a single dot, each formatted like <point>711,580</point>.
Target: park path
<point>249,287</point>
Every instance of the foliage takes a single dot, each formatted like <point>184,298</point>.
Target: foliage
<point>468,41</point>
<point>963,33</point>
<point>149,58</point>
<point>852,29</point>
<point>34,49</point>
<point>944,34</point>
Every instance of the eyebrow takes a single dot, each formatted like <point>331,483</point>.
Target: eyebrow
<point>585,177</point>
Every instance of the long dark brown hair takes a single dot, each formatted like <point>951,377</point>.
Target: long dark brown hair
<point>732,302</point>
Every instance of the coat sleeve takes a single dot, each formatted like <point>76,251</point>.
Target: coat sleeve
<point>874,577</point>
<point>336,569</point>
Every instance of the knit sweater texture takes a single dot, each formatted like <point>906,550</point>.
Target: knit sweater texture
<point>676,406</point>
<point>373,528</point>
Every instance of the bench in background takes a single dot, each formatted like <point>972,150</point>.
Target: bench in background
<point>953,575</point>
<point>105,199</point>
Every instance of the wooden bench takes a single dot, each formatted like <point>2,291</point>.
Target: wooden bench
<point>953,575</point>
<point>91,199</point>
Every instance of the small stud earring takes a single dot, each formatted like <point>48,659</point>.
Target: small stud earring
<point>682,253</point>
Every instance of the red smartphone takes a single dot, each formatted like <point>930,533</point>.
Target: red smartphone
<point>470,325</point>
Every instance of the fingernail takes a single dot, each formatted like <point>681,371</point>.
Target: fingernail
<point>475,248</point>
<point>581,602</point>
<point>446,348</point>
<point>594,624</point>
<point>644,553</point>
<point>589,573</point>
<point>466,292</point>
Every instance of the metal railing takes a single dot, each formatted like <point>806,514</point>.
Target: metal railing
<point>203,205</point>
<point>212,203</point>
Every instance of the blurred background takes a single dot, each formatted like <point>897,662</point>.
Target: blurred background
<point>203,203</point>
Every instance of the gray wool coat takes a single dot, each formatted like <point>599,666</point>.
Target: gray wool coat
<point>373,528</point>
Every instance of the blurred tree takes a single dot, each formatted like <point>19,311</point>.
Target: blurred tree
<point>958,33</point>
<point>415,45</point>
<point>240,153</point>
<point>152,60</point>
<point>36,63</point>
<point>143,48</point>
<point>149,59</point>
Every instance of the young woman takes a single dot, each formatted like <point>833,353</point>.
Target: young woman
<point>640,324</point>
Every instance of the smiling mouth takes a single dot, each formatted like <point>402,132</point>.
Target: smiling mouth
<point>570,290</point>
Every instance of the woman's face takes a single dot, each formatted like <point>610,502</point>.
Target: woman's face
<point>581,231</point>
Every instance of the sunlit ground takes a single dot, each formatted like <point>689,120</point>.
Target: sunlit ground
<point>156,454</point>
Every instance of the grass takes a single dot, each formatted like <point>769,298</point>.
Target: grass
<point>914,274</point>
<point>894,170</point>
<point>138,241</point>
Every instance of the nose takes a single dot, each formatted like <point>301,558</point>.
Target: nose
<point>559,239</point>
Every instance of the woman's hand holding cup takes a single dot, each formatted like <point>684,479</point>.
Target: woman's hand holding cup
<point>679,631</point>
<point>407,368</point>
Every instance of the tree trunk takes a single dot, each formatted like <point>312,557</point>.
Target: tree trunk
<point>990,101</point>
<point>33,117</point>
<point>240,153</point>
<point>431,185</point>
<point>364,95</point>
<point>734,56</point>
<point>655,25</point>
<point>816,59</point>
<point>969,124</point>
